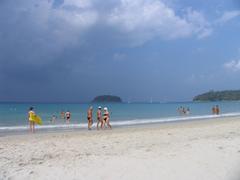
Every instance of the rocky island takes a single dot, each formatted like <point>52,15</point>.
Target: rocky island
<point>229,95</point>
<point>107,99</point>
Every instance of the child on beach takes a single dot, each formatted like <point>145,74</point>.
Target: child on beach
<point>31,115</point>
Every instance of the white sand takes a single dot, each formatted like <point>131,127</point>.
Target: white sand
<point>200,150</point>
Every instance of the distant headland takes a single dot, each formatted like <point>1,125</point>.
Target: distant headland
<point>107,99</point>
<point>228,95</point>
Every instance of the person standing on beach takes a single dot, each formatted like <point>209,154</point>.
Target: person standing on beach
<point>99,117</point>
<point>213,110</point>
<point>183,111</point>
<point>68,117</point>
<point>106,118</point>
<point>180,110</point>
<point>89,117</point>
<point>31,115</point>
<point>53,119</point>
<point>217,110</point>
<point>62,115</point>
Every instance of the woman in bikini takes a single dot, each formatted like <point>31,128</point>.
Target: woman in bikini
<point>106,118</point>
<point>90,118</point>
<point>68,117</point>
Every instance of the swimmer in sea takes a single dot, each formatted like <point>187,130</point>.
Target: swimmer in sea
<point>106,118</point>
<point>31,115</point>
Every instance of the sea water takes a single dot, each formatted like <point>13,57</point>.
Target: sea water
<point>14,116</point>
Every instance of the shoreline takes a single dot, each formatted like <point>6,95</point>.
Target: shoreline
<point>136,127</point>
<point>51,128</point>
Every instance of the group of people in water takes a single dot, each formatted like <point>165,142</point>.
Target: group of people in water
<point>103,118</point>
<point>186,111</point>
<point>183,111</point>
<point>215,110</point>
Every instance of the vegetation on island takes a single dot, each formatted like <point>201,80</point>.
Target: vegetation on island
<point>229,95</point>
<point>107,99</point>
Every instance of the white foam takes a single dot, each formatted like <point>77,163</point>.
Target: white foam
<point>172,119</point>
<point>57,126</point>
<point>120,123</point>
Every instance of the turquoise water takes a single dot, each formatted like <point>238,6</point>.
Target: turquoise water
<point>13,116</point>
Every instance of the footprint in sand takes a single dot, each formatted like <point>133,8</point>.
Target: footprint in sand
<point>88,154</point>
<point>21,164</point>
<point>187,145</point>
<point>79,156</point>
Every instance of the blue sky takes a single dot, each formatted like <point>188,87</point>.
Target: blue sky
<point>73,50</point>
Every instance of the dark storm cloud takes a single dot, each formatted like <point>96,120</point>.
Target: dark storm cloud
<point>42,51</point>
<point>33,41</point>
<point>73,50</point>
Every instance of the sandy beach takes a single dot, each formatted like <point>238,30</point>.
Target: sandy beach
<point>196,150</point>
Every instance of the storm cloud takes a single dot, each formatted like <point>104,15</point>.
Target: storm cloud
<point>72,50</point>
